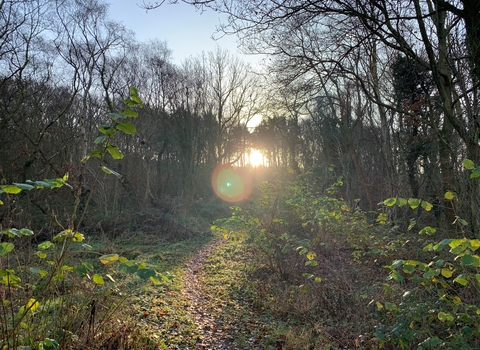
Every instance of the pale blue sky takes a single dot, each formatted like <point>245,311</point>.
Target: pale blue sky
<point>187,31</point>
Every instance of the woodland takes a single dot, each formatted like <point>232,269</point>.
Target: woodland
<point>347,218</point>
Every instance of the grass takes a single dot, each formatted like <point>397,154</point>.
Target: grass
<point>160,310</point>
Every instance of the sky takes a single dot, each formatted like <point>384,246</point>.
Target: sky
<point>187,31</point>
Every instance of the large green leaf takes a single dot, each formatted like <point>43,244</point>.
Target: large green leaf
<point>413,202</point>
<point>127,127</point>
<point>475,173</point>
<point>467,260</point>
<point>114,152</point>
<point>468,164</point>
<point>24,186</point>
<point>427,230</point>
<point>449,195</point>
<point>447,273</point>
<point>106,129</point>
<point>100,139</point>
<point>426,205</point>
<point>390,202</point>
<point>116,116</point>
<point>110,172</point>
<point>129,113</point>
<point>146,273</point>
<point>97,153</point>
<point>97,279</point>
<point>45,245</point>
<point>109,258</point>
<point>11,189</point>
<point>6,248</point>
<point>444,316</point>
<point>461,279</point>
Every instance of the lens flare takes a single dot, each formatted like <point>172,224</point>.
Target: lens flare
<point>231,184</point>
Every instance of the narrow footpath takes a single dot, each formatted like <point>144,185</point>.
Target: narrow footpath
<point>211,336</point>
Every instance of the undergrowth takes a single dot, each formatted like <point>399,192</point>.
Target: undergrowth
<point>331,276</point>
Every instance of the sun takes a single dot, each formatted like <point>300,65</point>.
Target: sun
<point>255,158</point>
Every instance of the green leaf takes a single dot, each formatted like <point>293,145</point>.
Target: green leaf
<point>475,173</point>
<point>110,172</point>
<point>97,279</point>
<point>468,164</point>
<point>390,202</point>
<point>390,306</point>
<point>447,273</point>
<point>426,205</point>
<point>100,139</point>
<point>129,113</point>
<point>26,232</point>
<point>62,235</point>
<point>116,116</point>
<point>38,271</point>
<point>41,255</point>
<point>413,202</point>
<point>396,276</point>
<point>130,102</point>
<point>444,316</point>
<point>11,189</point>
<point>461,279</point>
<point>397,264</point>
<point>133,91</point>
<point>6,248</point>
<point>449,195</point>
<point>467,260</point>
<point>108,259</point>
<point>81,271</point>
<point>32,305</point>
<point>474,244</point>
<point>127,127</point>
<point>382,218</point>
<point>427,230</point>
<point>13,232</point>
<point>88,266</point>
<point>106,129</point>
<point>454,243</point>
<point>439,247</point>
<point>45,245</point>
<point>97,153</point>
<point>401,202</point>
<point>78,237</point>
<point>114,152</point>
<point>462,222</point>
<point>155,280</point>
<point>24,186</point>
<point>50,344</point>
<point>146,273</point>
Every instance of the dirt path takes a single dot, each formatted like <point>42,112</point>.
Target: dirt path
<point>211,336</point>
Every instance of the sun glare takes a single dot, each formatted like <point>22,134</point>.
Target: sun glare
<point>256,157</point>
